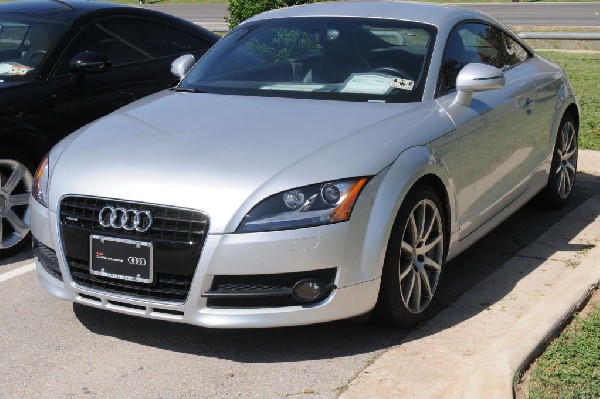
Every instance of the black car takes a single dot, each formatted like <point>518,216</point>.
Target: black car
<point>64,64</point>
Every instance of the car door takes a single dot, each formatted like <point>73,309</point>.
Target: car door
<point>141,51</point>
<point>492,133</point>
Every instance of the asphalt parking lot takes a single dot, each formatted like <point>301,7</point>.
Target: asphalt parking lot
<point>50,348</point>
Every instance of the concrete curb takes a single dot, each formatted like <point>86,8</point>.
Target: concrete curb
<point>476,347</point>
<point>495,379</point>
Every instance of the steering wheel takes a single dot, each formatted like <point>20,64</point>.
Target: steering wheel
<point>36,53</point>
<point>393,71</point>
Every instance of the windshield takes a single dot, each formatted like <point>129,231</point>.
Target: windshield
<point>24,44</point>
<point>352,59</point>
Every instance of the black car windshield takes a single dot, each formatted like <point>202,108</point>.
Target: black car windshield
<point>352,59</point>
<point>24,44</point>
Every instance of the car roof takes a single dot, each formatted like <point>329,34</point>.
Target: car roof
<point>432,14</point>
<point>66,10</point>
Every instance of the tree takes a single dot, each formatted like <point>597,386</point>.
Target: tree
<point>240,10</point>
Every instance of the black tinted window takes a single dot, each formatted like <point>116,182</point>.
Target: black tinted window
<point>515,53</point>
<point>128,40</point>
<point>24,44</point>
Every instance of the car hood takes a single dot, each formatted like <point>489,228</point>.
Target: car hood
<point>223,154</point>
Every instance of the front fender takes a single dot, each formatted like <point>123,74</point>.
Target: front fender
<point>380,202</point>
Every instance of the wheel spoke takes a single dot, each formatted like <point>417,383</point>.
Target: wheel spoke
<point>567,183</point>
<point>421,232</point>
<point>431,225</point>
<point>405,273</point>
<point>561,184</point>
<point>571,138</point>
<point>20,227</point>
<point>19,199</point>
<point>413,225</point>
<point>411,285</point>
<point>14,179</point>
<point>425,280</point>
<point>416,292</point>
<point>569,154</point>
<point>564,137</point>
<point>431,245</point>
<point>571,168</point>
<point>432,263</point>
<point>558,169</point>
<point>406,247</point>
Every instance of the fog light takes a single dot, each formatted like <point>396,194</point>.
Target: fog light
<point>308,289</point>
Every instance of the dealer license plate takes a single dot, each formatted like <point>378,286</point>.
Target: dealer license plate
<point>121,258</point>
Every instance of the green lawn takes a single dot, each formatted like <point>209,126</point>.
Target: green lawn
<point>583,71</point>
<point>570,367</point>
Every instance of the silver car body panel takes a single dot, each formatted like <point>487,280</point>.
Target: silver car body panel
<point>188,150</point>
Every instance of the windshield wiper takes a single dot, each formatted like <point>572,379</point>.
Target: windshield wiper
<point>188,90</point>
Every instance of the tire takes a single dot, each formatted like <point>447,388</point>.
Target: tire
<point>16,179</point>
<point>414,260</point>
<point>563,169</point>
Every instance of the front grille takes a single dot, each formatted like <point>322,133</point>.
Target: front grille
<point>261,290</point>
<point>48,259</point>
<point>177,237</point>
<point>170,224</point>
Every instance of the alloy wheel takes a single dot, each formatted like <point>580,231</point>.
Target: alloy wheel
<point>422,251</point>
<point>566,150</point>
<point>15,187</point>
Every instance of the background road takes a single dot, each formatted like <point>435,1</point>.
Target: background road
<point>528,14</point>
<point>53,349</point>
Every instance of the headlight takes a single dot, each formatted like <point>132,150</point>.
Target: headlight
<point>39,191</point>
<point>308,206</point>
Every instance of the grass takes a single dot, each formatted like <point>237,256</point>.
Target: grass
<point>583,71</point>
<point>570,367</point>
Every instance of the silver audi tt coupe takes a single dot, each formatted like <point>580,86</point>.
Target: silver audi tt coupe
<point>320,162</point>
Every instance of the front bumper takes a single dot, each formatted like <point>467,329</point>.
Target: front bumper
<point>302,250</point>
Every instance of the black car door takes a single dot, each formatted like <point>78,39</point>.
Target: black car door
<point>140,50</point>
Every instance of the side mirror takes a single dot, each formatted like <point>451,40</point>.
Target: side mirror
<point>182,65</point>
<point>477,77</point>
<point>90,62</point>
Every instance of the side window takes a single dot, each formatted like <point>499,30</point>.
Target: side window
<point>128,40</point>
<point>12,35</point>
<point>467,43</point>
<point>515,53</point>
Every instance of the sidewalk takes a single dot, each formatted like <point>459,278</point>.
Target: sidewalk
<point>512,313</point>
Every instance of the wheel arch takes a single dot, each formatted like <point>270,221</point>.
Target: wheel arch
<point>23,144</point>
<point>435,182</point>
<point>388,190</point>
<point>573,110</point>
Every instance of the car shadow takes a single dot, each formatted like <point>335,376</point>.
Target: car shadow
<point>346,338</point>
<point>23,255</point>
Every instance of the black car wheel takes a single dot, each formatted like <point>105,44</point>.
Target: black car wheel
<point>15,188</point>
<point>414,260</point>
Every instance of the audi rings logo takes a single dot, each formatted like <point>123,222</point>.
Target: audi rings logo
<point>126,219</point>
<point>136,261</point>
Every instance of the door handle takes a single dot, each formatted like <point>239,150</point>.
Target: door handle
<point>529,104</point>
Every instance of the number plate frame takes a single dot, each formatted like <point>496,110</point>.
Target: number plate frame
<point>122,258</point>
